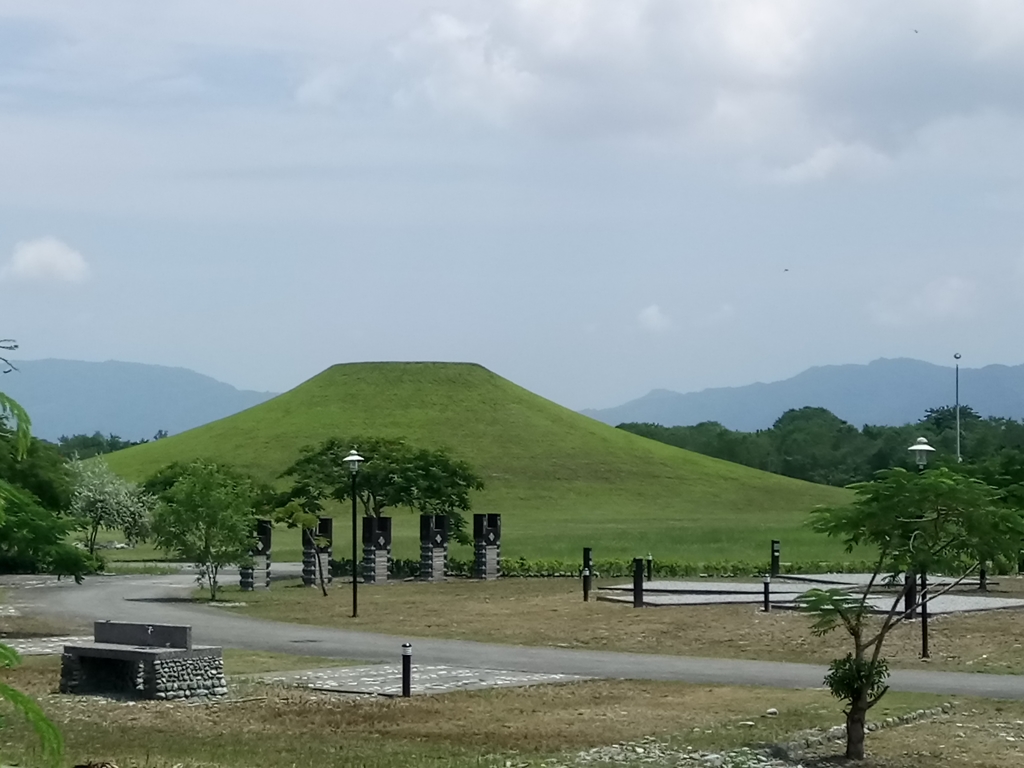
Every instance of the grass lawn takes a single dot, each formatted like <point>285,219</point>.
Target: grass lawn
<point>561,480</point>
<point>551,612</point>
<point>499,727</point>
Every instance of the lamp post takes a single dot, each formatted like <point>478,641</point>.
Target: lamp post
<point>920,449</point>
<point>352,461</point>
<point>956,357</point>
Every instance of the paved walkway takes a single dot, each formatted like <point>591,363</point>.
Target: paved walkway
<point>164,599</point>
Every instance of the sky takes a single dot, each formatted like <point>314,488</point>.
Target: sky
<point>589,197</point>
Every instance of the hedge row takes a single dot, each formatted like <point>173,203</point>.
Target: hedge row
<point>615,569</point>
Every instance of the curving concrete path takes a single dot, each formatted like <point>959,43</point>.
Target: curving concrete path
<point>161,599</point>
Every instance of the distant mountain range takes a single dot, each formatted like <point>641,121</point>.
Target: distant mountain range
<point>883,392</point>
<point>131,400</point>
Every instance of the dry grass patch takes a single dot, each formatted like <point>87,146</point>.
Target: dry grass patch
<point>288,727</point>
<point>551,612</point>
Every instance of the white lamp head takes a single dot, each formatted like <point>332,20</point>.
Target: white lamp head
<point>921,449</point>
<point>352,461</point>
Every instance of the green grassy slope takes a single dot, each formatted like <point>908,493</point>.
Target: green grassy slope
<point>561,480</point>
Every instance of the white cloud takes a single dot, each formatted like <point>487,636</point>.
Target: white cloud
<point>46,259</point>
<point>941,299</point>
<point>653,319</point>
<point>833,159</point>
<point>459,67</point>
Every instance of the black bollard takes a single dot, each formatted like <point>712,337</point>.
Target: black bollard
<point>638,582</point>
<point>650,567</point>
<point>767,593</point>
<point>588,572</point>
<point>406,670</point>
<point>924,615</point>
<point>776,556</point>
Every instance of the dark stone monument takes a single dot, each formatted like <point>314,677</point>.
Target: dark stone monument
<point>312,551</point>
<point>376,549</point>
<point>257,576</point>
<point>486,546</point>
<point>149,661</point>
<point>433,547</point>
<point>325,550</point>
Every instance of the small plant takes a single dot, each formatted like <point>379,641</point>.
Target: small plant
<point>50,739</point>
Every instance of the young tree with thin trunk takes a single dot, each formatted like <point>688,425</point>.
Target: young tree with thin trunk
<point>207,517</point>
<point>933,522</point>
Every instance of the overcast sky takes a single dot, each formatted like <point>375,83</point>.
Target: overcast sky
<point>592,198</point>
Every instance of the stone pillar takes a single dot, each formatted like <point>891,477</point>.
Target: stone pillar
<point>376,549</point>
<point>325,549</point>
<point>433,547</point>
<point>309,557</point>
<point>258,575</point>
<point>486,546</point>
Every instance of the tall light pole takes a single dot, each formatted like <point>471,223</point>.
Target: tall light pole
<point>920,449</point>
<point>352,461</point>
<point>956,357</point>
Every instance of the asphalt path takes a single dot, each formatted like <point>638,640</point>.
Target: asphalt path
<point>164,600</point>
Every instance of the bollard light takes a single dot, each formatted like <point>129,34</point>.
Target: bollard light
<point>767,593</point>
<point>406,670</point>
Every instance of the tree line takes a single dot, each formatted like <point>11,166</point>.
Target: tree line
<point>85,446</point>
<point>814,444</point>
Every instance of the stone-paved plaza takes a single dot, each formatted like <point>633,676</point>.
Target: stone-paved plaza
<point>386,679</point>
<point>783,591</point>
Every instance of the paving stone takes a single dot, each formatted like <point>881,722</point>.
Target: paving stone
<point>386,679</point>
<point>44,646</point>
<point>713,587</point>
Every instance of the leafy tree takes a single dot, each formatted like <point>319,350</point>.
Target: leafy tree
<point>395,474</point>
<point>49,736</point>
<point>37,467</point>
<point>207,517</point>
<point>813,444</point>
<point>937,521</point>
<point>101,499</point>
<point>33,539</point>
<point>33,536</point>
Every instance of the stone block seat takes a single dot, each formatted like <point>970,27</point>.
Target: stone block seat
<point>146,661</point>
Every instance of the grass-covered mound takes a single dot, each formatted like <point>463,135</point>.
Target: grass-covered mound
<point>561,480</point>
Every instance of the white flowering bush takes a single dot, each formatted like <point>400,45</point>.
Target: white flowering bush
<point>101,499</point>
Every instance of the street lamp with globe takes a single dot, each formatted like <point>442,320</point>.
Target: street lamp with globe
<point>920,449</point>
<point>353,462</point>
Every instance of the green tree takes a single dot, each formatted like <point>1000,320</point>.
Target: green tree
<point>37,467</point>
<point>49,736</point>
<point>87,446</point>
<point>207,517</point>
<point>101,499</point>
<point>394,474</point>
<point>937,521</point>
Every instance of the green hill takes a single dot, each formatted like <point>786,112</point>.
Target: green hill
<point>561,480</point>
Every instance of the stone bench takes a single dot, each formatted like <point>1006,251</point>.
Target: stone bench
<point>149,661</point>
